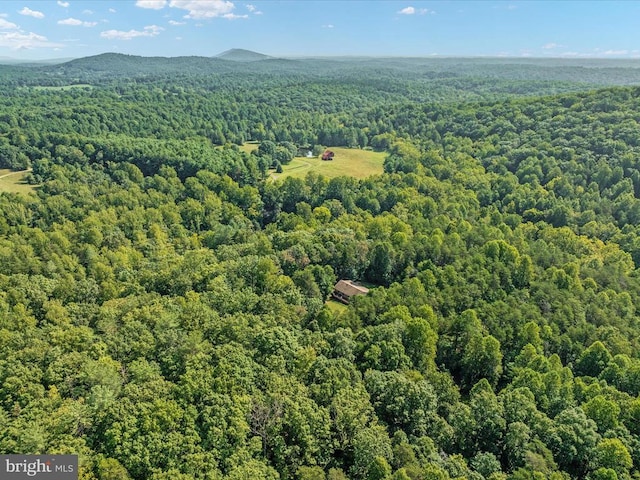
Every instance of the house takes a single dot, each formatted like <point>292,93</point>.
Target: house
<point>303,151</point>
<point>345,289</point>
<point>328,155</point>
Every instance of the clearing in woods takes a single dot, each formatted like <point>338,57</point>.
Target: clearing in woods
<point>351,162</point>
<point>64,88</point>
<point>249,147</point>
<point>14,182</point>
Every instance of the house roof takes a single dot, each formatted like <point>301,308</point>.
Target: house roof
<point>349,288</point>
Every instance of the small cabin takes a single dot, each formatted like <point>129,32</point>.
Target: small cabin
<point>345,289</point>
<point>328,155</point>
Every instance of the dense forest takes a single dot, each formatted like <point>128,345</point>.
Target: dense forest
<point>163,300</point>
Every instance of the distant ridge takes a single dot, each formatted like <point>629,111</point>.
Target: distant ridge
<point>121,65</point>
<point>117,65</point>
<point>240,55</point>
<point>18,61</point>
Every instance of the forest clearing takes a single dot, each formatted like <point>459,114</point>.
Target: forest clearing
<point>351,162</point>
<point>14,182</point>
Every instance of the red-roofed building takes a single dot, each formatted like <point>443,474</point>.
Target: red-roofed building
<point>328,155</point>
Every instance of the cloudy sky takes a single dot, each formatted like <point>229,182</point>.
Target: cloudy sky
<point>40,29</point>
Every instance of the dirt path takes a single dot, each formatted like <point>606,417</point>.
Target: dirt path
<point>304,164</point>
<point>15,173</point>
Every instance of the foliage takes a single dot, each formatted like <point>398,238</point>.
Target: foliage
<point>162,302</point>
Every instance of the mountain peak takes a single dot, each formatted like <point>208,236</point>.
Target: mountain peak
<point>241,55</point>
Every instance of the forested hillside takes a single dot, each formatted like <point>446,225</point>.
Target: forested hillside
<point>163,300</point>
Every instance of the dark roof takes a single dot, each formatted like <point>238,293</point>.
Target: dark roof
<point>349,288</point>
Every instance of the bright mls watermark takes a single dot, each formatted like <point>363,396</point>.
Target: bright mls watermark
<point>52,467</point>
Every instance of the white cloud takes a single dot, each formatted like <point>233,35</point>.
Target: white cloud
<point>74,22</point>
<point>87,12</point>
<point>153,4</point>
<point>198,9</point>
<point>616,52</point>
<point>63,4</point>
<point>70,21</point>
<point>233,16</point>
<point>31,13</point>
<point>253,9</point>
<point>414,11</point>
<point>178,38</point>
<point>112,10</point>
<point>149,31</point>
<point>205,8</point>
<point>174,23</point>
<point>25,41</point>
<point>327,26</point>
<point>6,25</point>
<point>550,46</point>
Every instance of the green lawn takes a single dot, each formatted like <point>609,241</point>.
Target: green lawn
<point>13,182</point>
<point>349,162</point>
<point>336,307</point>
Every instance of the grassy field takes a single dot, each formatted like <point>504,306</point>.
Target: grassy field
<point>349,162</point>
<point>64,87</point>
<point>249,146</point>
<point>14,182</point>
<point>336,307</point>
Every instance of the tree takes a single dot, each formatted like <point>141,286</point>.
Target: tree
<point>311,473</point>
<point>371,448</point>
<point>482,359</point>
<point>611,453</point>
<point>593,360</point>
<point>402,402</point>
<point>267,147</point>
<point>486,464</point>
<point>602,411</point>
<point>488,415</point>
<point>575,440</point>
<point>420,343</point>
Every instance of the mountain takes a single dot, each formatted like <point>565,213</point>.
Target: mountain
<point>240,55</point>
<point>19,61</point>
<point>244,64</point>
<point>133,66</point>
<point>108,66</point>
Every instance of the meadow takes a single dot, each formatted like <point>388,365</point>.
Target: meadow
<point>62,88</point>
<point>347,162</point>
<point>14,182</point>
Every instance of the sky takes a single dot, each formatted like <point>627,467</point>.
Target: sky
<point>47,29</point>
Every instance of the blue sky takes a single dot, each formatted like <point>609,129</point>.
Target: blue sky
<point>40,29</point>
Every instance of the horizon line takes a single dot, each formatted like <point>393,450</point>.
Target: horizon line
<point>329,56</point>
